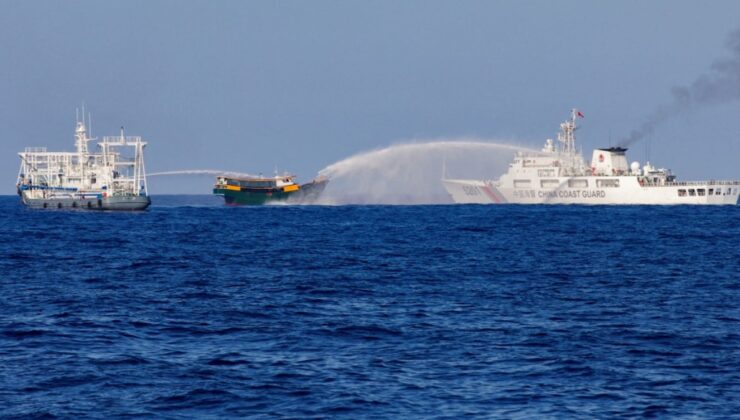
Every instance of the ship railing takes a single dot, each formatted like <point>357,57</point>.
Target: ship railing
<point>691,183</point>
<point>122,141</point>
<point>50,155</point>
<point>35,150</point>
<point>125,162</point>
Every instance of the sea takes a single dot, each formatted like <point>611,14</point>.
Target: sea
<point>193,309</point>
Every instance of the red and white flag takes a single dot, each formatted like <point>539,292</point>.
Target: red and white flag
<point>580,114</point>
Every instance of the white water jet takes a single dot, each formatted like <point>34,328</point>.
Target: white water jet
<point>202,182</point>
<point>405,173</point>
<point>411,173</point>
<point>210,172</point>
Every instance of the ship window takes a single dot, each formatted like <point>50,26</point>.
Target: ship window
<point>692,192</point>
<point>258,184</point>
<point>578,183</point>
<point>701,192</point>
<point>711,191</point>
<point>545,172</point>
<point>607,183</point>
<point>549,183</point>
<point>718,191</point>
<point>522,183</point>
<point>682,193</point>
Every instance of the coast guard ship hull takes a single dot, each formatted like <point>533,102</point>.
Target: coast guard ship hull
<point>559,175</point>
<point>630,192</point>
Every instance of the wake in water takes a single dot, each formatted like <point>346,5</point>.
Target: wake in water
<point>411,173</point>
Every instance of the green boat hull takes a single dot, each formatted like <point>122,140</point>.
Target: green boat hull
<point>308,193</point>
<point>237,198</point>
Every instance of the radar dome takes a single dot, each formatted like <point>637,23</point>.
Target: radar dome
<point>635,166</point>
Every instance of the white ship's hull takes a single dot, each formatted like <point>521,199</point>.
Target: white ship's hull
<point>83,201</point>
<point>629,191</point>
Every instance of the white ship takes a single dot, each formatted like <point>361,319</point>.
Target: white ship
<point>112,178</point>
<point>559,175</point>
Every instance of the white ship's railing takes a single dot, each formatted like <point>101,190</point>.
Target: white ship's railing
<point>692,183</point>
<point>47,154</point>
<point>122,140</point>
<point>35,150</point>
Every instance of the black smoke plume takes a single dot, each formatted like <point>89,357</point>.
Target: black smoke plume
<point>721,84</point>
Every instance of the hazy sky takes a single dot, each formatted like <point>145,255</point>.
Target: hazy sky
<point>247,85</point>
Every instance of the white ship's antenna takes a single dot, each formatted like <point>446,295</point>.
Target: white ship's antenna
<point>89,124</point>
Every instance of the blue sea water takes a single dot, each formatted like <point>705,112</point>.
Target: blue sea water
<point>194,309</point>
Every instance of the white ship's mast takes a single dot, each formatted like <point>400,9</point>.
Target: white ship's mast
<point>83,154</point>
<point>81,138</point>
<point>567,138</point>
<point>567,132</point>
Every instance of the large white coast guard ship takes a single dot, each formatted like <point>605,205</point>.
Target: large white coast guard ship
<point>559,175</point>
